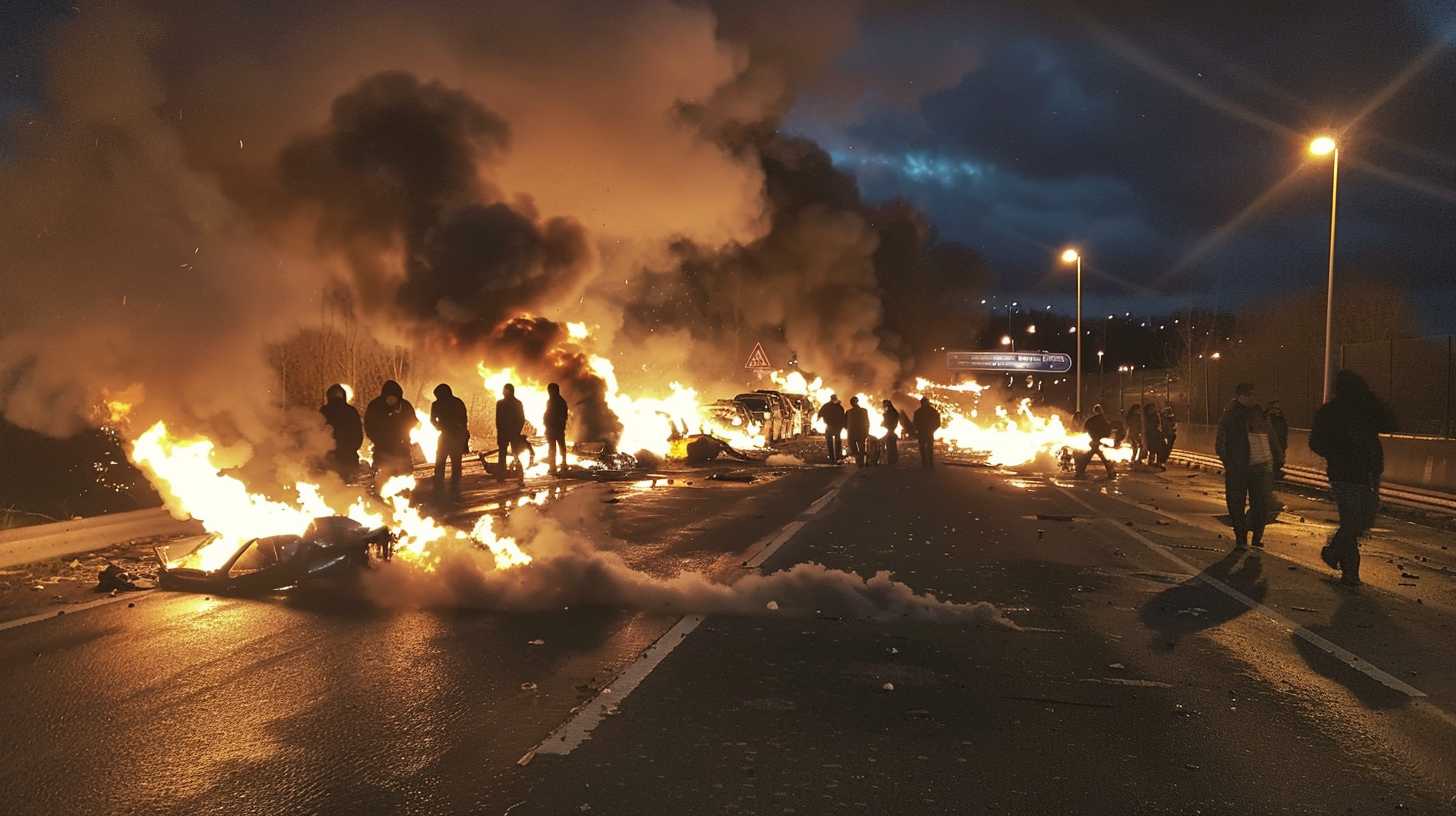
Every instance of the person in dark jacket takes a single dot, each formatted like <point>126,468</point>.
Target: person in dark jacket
<point>890,419</point>
<point>1152,435</point>
<point>510,427</point>
<point>1170,432</point>
<point>1346,432</point>
<point>1249,454</point>
<point>832,412</point>
<point>927,422</point>
<point>388,420</point>
<point>348,430</point>
<point>553,424</point>
<point>1279,428</point>
<point>1133,421</point>
<point>857,424</point>
<point>449,418</point>
<point>1098,428</point>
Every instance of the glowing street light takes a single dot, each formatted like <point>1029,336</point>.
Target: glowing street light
<point>1006,340</point>
<point>1071,255</point>
<point>1215,356</point>
<point>1031,329</point>
<point>1327,146</point>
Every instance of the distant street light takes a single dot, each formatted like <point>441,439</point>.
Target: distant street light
<point>1031,329</point>
<point>1216,356</point>
<point>1071,255</point>
<point>1327,146</point>
<point>1007,341</point>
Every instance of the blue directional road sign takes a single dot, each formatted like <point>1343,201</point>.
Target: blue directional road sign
<point>1040,361</point>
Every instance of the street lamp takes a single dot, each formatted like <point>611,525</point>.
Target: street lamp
<point>1031,329</point>
<point>1327,146</point>
<point>1071,255</point>
<point>1007,341</point>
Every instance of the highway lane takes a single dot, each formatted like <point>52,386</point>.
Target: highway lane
<point>1139,683</point>
<point>193,704</point>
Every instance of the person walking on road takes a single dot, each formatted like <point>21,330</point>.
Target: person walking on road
<point>857,423</point>
<point>510,424</point>
<point>388,420</point>
<point>890,419</point>
<point>832,412</point>
<point>1346,432</point>
<point>927,422</point>
<point>554,425</point>
<point>1249,454</point>
<point>449,417</point>
<point>1098,428</point>
<point>348,431</point>
<point>1278,430</point>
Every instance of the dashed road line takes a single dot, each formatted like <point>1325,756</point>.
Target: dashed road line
<point>1334,650</point>
<point>578,728</point>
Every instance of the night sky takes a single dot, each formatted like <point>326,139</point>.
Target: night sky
<point>1140,131</point>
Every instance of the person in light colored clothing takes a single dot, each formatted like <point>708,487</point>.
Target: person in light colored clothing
<point>1250,455</point>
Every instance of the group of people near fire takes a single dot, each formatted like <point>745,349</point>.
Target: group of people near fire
<point>390,418</point>
<point>868,449</point>
<point>1251,443</point>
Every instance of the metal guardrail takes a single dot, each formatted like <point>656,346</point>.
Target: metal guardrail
<point>23,545</point>
<point>1418,498</point>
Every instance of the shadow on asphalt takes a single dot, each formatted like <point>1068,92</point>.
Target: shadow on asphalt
<point>1354,610</point>
<point>1193,606</point>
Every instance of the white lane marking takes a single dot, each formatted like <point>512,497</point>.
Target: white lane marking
<point>52,615</point>
<point>1336,651</point>
<point>578,728</point>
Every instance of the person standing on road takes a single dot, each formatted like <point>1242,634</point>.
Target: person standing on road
<point>1279,432</point>
<point>857,423</point>
<point>348,430</point>
<point>388,420</point>
<point>927,422</point>
<point>832,412</point>
<point>554,425</point>
<point>449,417</point>
<point>1170,432</point>
<point>510,424</point>
<point>1346,432</point>
<point>1248,453</point>
<point>1098,428</point>
<point>1133,418</point>
<point>890,419</point>
<point>1152,435</point>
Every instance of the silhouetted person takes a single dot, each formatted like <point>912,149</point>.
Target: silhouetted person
<point>927,422</point>
<point>388,421</point>
<point>1279,427</point>
<point>832,412</point>
<point>1152,434</point>
<point>1170,431</point>
<point>1248,453</point>
<point>1133,421</point>
<point>510,426</point>
<point>857,424</point>
<point>553,424</point>
<point>343,420</point>
<point>449,418</point>
<point>1098,428</point>
<point>890,419</point>
<point>1346,432</point>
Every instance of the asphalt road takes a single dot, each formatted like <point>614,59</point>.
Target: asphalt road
<point>1154,672</point>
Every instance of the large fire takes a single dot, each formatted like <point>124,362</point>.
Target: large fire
<point>186,471</point>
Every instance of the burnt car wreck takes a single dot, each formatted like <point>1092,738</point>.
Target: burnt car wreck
<point>332,548</point>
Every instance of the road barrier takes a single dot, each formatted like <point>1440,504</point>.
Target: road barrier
<point>24,545</point>
<point>1420,472</point>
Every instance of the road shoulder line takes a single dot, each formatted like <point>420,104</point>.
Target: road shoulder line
<point>45,616</point>
<point>1334,650</point>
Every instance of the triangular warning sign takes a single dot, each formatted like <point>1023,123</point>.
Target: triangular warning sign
<point>757,359</point>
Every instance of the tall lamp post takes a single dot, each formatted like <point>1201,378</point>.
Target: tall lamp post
<point>1327,146</point>
<point>1071,255</point>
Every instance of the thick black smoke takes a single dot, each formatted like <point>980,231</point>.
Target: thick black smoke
<point>396,181</point>
<point>864,294</point>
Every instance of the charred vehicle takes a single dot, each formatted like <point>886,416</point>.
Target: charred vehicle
<point>332,547</point>
<point>728,414</point>
<point>790,423</point>
<point>765,414</point>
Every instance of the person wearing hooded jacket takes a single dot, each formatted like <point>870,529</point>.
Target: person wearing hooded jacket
<point>554,425</point>
<point>832,412</point>
<point>450,418</point>
<point>388,420</point>
<point>510,426</point>
<point>1346,432</point>
<point>857,425</point>
<point>348,430</point>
